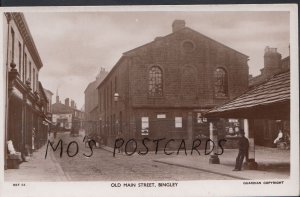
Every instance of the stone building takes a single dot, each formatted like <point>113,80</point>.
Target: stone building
<point>25,101</point>
<point>66,116</point>
<point>49,95</point>
<point>92,124</point>
<point>160,89</point>
<point>91,97</point>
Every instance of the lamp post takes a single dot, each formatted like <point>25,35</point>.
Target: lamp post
<point>214,159</point>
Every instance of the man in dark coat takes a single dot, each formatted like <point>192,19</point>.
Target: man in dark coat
<point>243,151</point>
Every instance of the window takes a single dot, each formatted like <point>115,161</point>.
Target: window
<point>20,52</point>
<point>188,46</point>
<point>155,81</point>
<point>221,89</point>
<point>25,68</point>
<point>178,122</point>
<point>37,79</point>
<point>159,116</point>
<point>145,126</point>
<point>12,45</point>
<point>34,88</point>
<point>30,71</point>
<point>116,84</point>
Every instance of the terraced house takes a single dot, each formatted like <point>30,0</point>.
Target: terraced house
<point>26,101</point>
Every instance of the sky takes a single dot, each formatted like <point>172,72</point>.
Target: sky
<point>74,46</point>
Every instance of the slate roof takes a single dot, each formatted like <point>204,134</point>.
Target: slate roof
<point>59,108</point>
<point>272,92</point>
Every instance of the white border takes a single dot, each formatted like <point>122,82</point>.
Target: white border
<point>185,188</point>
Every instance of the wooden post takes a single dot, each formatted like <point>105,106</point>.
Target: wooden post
<point>250,164</point>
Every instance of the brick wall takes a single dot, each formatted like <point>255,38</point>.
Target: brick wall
<point>188,61</point>
<point>187,73</point>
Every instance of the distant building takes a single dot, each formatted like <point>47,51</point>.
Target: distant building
<point>91,103</point>
<point>66,116</point>
<point>160,89</point>
<point>91,97</point>
<point>273,64</point>
<point>266,130</point>
<point>49,95</point>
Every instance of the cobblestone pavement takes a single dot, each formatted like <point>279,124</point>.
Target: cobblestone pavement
<point>102,166</point>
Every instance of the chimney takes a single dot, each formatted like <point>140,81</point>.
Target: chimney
<point>57,97</point>
<point>67,102</point>
<point>72,104</point>
<point>177,25</point>
<point>102,74</point>
<point>272,62</point>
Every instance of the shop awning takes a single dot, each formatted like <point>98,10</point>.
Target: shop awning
<point>268,100</point>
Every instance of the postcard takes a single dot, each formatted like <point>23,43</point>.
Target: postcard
<point>194,100</point>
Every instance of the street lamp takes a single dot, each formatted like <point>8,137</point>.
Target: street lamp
<point>116,97</point>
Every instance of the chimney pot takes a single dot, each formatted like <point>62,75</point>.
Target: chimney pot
<point>67,102</point>
<point>177,25</point>
<point>72,104</point>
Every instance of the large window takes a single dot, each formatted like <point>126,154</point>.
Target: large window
<point>221,85</point>
<point>25,68</point>
<point>155,81</point>
<point>12,45</point>
<point>30,72</point>
<point>33,75</point>
<point>145,126</point>
<point>178,122</point>
<point>20,62</point>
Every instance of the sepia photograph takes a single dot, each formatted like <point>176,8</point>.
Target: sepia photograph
<point>148,99</point>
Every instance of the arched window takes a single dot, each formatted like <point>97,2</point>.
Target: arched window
<point>221,84</point>
<point>155,81</point>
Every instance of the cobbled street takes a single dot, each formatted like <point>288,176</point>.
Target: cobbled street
<point>102,166</point>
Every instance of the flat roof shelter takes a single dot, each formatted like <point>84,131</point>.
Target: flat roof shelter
<point>268,100</point>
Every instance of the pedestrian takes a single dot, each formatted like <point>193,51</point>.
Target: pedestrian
<point>33,139</point>
<point>119,136</point>
<point>279,137</point>
<point>243,151</point>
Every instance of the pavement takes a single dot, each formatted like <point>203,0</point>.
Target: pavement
<point>272,163</point>
<point>37,168</point>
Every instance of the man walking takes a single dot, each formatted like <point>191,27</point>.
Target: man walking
<point>243,151</point>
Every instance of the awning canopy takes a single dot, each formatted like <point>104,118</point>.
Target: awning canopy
<point>268,100</point>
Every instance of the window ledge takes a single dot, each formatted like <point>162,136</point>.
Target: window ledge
<point>156,97</point>
<point>221,97</point>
